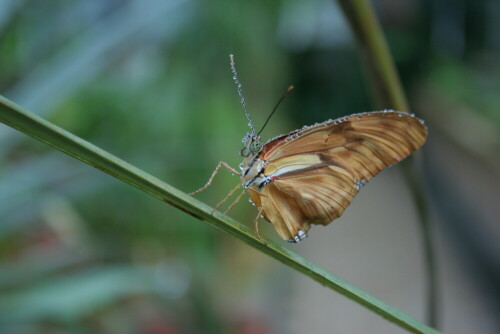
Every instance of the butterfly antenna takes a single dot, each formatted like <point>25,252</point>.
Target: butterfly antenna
<point>289,89</point>
<point>240,92</point>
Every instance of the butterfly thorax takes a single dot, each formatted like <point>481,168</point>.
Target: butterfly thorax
<point>252,166</point>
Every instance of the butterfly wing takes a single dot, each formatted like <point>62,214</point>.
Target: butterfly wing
<point>295,201</point>
<point>317,171</point>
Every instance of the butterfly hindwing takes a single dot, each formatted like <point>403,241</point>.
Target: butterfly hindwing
<point>295,202</point>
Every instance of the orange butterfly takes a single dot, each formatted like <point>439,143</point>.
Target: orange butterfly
<point>309,176</point>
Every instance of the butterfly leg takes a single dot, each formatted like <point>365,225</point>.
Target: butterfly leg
<point>235,201</point>
<point>256,223</point>
<point>228,195</point>
<point>222,163</point>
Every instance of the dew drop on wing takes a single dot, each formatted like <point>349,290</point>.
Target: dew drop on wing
<point>359,184</point>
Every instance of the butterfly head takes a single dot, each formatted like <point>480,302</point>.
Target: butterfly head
<point>251,146</point>
<point>251,165</point>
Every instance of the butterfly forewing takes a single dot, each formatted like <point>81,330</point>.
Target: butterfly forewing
<point>318,170</point>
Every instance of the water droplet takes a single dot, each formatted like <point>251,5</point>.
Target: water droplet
<point>359,184</point>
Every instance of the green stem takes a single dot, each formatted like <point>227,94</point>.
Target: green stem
<point>386,87</point>
<point>414,179</point>
<point>388,93</point>
<point>29,123</point>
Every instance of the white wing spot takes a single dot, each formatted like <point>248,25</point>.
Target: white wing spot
<point>301,235</point>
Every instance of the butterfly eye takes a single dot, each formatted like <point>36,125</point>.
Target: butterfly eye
<point>245,152</point>
<point>255,146</point>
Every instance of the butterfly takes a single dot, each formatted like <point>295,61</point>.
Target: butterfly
<point>311,175</point>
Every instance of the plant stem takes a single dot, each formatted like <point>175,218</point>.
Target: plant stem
<point>414,179</point>
<point>388,93</point>
<point>29,123</point>
<point>379,67</point>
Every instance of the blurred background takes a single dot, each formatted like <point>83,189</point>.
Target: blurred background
<point>149,81</point>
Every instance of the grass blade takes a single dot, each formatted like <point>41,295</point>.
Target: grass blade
<point>41,129</point>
